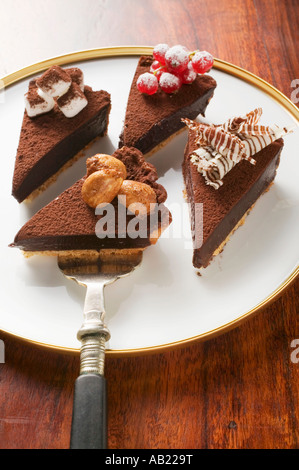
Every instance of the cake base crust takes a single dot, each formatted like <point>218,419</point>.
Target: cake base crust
<point>86,254</point>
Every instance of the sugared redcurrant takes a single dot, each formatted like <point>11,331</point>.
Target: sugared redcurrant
<point>155,65</point>
<point>177,58</point>
<point>170,83</point>
<point>159,52</point>
<point>147,83</point>
<point>202,62</point>
<point>189,75</point>
<point>157,69</point>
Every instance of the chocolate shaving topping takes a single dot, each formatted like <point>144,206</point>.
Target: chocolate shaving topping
<point>221,147</point>
<point>226,143</point>
<point>234,124</point>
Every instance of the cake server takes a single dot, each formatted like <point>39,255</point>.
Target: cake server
<point>89,421</point>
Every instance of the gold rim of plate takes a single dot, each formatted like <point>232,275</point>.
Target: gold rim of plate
<point>221,65</point>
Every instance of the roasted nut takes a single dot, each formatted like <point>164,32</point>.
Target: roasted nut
<point>101,187</point>
<point>102,161</point>
<point>137,196</point>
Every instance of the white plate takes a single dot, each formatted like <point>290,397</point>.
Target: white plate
<point>164,303</point>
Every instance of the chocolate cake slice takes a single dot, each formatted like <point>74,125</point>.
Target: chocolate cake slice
<point>69,224</point>
<point>151,119</point>
<point>219,206</point>
<point>49,141</point>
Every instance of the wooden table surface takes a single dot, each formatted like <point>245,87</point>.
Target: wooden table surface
<point>237,391</point>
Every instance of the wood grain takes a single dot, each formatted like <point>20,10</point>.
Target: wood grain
<point>236,391</point>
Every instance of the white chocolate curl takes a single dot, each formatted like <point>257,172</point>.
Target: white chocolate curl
<point>222,147</point>
<point>226,143</point>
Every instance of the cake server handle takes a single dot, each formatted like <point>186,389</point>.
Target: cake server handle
<point>89,422</point>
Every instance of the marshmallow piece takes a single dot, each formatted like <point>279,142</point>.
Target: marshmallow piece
<point>54,82</point>
<point>37,102</point>
<point>72,102</point>
<point>77,76</point>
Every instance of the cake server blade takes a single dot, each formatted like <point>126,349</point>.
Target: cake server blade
<point>94,271</point>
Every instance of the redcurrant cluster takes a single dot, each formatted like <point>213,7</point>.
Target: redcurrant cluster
<point>172,67</point>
